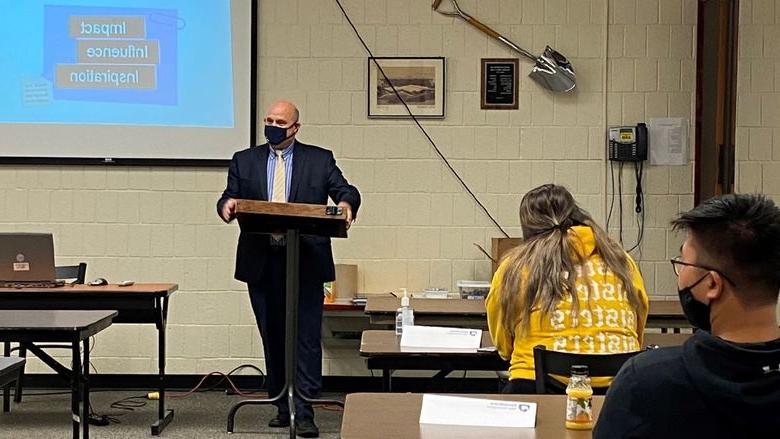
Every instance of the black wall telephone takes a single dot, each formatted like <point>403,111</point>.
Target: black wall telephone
<point>627,143</point>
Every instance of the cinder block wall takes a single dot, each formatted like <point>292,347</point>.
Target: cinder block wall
<point>758,98</point>
<point>634,60</point>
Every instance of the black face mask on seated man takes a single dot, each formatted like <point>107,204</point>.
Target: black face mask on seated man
<point>276,135</point>
<point>697,313</point>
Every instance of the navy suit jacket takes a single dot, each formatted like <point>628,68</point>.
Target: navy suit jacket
<point>315,177</point>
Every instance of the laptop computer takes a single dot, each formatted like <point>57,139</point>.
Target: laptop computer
<point>27,259</point>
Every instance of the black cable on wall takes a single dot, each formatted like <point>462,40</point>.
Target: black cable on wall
<point>417,122</point>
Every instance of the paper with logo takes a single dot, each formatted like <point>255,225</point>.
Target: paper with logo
<point>458,410</point>
<point>435,337</point>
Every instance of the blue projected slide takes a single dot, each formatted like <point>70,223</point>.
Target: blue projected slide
<point>117,62</point>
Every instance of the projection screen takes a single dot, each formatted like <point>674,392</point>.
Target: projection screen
<point>124,79</point>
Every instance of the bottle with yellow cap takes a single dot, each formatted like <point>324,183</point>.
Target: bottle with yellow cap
<point>579,396</point>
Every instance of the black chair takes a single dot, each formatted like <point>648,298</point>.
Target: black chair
<point>10,370</point>
<point>560,363</point>
<point>76,272</point>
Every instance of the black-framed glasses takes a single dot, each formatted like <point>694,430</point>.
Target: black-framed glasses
<point>677,263</point>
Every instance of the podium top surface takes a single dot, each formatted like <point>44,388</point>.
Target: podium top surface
<point>256,216</point>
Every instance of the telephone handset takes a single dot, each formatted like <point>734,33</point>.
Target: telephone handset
<point>628,143</point>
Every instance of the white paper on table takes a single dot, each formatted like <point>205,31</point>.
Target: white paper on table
<point>436,337</point>
<point>458,410</point>
<point>668,141</point>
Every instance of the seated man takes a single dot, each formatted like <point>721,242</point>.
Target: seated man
<point>725,380</point>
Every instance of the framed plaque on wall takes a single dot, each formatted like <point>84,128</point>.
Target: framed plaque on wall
<point>499,82</point>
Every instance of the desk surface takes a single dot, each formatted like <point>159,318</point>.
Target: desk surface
<point>343,305</point>
<point>138,303</point>
<point>379,342</point>
<point>389,304</point>
<point>81,289</point>
<point>397,416</point>
<point>665,340</point>
<point>59,320</point>
<point>664,308</point>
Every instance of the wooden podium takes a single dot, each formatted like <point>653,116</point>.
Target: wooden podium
<point>292,219</point>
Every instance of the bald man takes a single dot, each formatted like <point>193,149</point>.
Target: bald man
<point>285,170</point>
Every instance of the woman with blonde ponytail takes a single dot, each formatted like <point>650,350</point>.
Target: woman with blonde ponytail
<point>567,286</point>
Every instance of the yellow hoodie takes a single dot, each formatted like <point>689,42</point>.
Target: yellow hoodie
<point>607,323</point>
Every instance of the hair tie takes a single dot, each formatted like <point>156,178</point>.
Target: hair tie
<point>562,227</point>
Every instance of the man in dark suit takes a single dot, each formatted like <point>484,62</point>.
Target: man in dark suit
<point>284,170</point>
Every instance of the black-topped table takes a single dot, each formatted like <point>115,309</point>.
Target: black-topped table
<point>463,313</point>
<point>74,327</point>
<point>471,313</point>
<point>382,350</point>
<point>139,303</point>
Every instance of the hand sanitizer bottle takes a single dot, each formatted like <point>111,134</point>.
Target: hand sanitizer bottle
<point>404,316</point>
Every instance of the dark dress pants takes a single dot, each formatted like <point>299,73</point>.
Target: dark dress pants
<point>269,303</point>
<point>527,387</point>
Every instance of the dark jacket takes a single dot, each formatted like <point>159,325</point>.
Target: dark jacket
<point>315,177</point>
<point>708,388</point>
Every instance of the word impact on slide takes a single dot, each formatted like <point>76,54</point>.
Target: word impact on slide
<point>111,52</point>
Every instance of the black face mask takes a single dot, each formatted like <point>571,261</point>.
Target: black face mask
<point>697,313</point>
<point>276,135</point>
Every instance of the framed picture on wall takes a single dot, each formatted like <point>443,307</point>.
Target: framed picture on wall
<point>418,81</point>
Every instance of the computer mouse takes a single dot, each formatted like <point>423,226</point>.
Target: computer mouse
<point>99,281</point>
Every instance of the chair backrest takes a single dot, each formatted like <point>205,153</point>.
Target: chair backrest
<point>76,272</point>
<point>560,363</point>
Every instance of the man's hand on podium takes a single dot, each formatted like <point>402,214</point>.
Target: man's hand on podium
<point>228,210</point>
<point>347,209</point>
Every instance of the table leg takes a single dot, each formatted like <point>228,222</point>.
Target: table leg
<point>7,397</point>
<point>161,370</point>
<point>20,383</point>
<point>85,392</point>
<point>75,379</point>
<point>387,384</point>
<point>164,417</point>
<point>7,387</point>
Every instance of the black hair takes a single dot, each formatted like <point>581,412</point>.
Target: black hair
<point>740,234</point>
